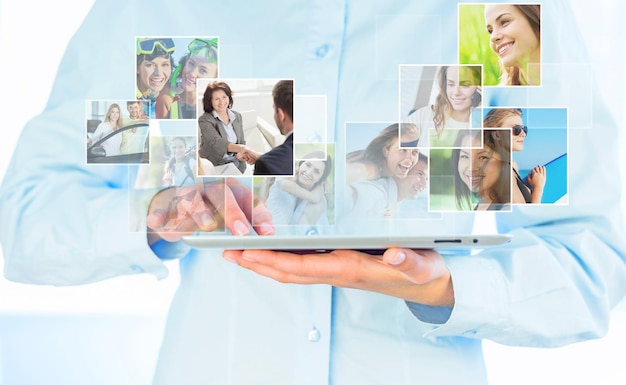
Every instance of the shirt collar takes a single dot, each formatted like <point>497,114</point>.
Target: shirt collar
<point>231,115</point>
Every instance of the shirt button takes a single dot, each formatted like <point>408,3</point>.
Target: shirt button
<point>322,51</point>
<point>314,335</point>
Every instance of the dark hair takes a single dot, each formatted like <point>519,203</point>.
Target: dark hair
<point>533,15</point>
<point>421,157</point>
<point>462,193</point>
<point>532,12</point>
<point>158,52</point>
<point>210,88</point>
<point>283,97</point>
<point>323,157</point>
<point>374,150</point>
<point>500,141</point>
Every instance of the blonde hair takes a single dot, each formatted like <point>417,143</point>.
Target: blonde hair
<point>107,118</point>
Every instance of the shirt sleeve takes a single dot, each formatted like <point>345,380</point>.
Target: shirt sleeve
<point>63,221</point>
<point>212,146</point>
<point>565,269</point>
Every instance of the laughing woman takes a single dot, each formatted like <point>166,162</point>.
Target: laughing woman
<point>179,102</point>
<point>384,155</point>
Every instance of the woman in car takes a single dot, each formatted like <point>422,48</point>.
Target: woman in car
<point>112,122</point>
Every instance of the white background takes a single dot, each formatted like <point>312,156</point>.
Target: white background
<point>33,35</point>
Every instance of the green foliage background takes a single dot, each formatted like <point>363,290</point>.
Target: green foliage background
<point>474,42</point>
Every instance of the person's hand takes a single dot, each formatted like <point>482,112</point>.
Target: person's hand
<point>244,156</point>
<point>537,178</point>
<point>180,211</point>
<point>168,178</point>
<point>414,275</point>
<point>249,156</point>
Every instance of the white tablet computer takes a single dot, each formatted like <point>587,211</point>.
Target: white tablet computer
<point>324,243</point>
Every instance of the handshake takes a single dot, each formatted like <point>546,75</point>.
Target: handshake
<point>248,155</point>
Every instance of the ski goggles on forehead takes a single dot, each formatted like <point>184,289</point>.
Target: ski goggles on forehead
<point>410,144</point>
<point>518,128</point>
<point>198,45</point>
<point>148,46</point>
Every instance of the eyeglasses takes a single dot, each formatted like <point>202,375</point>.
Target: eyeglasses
<point>147,46</point>
<point>197,45</point>
<point>518,128</point>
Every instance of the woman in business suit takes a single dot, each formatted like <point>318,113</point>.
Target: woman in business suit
<point>221,129</point>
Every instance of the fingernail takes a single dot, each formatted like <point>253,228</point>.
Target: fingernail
<point>207,220</point>
<point>398,258</point>
<point>229,259</point>
<point>266,228</point>
<point>240,228</point>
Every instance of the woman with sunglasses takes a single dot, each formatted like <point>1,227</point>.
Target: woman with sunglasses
<point>523,192</point>
<point>154,68</point>
<point>178,101</point>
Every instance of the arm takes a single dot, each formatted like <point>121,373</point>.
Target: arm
<point>557,282</point>
<point>212,145</point>
<point>99,133</point>
<point>566,268</point>
<point>163,105</point>
<point>537,180</point>
<point>312,212</point>
<point>238,126</point>
<point>54,211</point>
<point>358,171</point>
<point>291,187</point>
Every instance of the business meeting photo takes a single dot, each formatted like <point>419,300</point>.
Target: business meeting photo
<point>247,127</point>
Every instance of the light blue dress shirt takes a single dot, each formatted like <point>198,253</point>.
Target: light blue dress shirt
<point>554,284</point>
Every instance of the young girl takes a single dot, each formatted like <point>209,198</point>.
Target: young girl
<point>180,169</point>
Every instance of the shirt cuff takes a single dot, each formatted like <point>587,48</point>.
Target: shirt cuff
<point>430,314</point>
